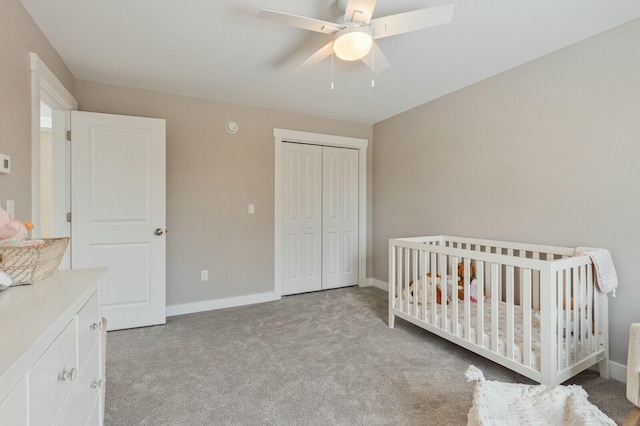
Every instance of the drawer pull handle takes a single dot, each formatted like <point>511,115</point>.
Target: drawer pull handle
<point>70,375</point>
<point>95,384</point>
<point>96,326</point>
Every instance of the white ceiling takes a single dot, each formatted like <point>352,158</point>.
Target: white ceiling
<point>221,50</point>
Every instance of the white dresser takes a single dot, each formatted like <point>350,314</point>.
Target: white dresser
<point>50,351</point>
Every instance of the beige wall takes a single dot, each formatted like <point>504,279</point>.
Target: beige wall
<point>19,35</point>
<point>211,178</point>
<point>545,153</point>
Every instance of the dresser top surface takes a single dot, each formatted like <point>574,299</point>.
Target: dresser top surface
<point>32,315</point>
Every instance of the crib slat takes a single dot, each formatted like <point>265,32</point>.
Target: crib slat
<point>536,285</point>
<point>523,254</point>
<point>480,302</point>
<point>510,303</point>
<point>526,317</point>
<point>495,315</point>
<point>418,280</point>
<point>576,313</point>
<point>597,311</point>
<point>399,284</point>
<point>392,284</point>
<point>581,311</point>
<point>424,256</point>
<point>432,294</point>
<point>590,319</point>
<point>567,317</point>
<point>443,290</point>
<point>467,306</point>
<point>454,295</point>
<point>559,320</point>
<point>405,271</point>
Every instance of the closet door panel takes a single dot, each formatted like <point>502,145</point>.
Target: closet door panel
<point>302,213</point>
<point>340,217</point>
<point>349,217</point>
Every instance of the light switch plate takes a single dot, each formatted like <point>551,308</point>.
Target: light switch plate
<point>5,164</point>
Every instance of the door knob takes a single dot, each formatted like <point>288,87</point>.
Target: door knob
<point>158,231</point>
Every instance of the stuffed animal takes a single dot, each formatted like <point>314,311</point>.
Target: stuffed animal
<point>12,230</point>
<point>429,285</point>
<point>461,276</point>
<point>473,283</point>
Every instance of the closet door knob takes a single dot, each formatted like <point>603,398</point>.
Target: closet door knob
<point>158,231</point>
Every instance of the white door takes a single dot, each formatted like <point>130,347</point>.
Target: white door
<point>339,217</point>
<point>302,218</point>
<point>118,213</point>
<point>320,218</point>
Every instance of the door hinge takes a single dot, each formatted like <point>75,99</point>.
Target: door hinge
<point>69,217</point>
<point>69,135</point>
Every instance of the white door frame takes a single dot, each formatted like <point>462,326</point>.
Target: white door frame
<point>46,86</point>
<point>284,135</point>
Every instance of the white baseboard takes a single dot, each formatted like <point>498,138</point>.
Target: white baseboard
<point>230,302</point>
<point>616,371</point>
<point>372,282</point>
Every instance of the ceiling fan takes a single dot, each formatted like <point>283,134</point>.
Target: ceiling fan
<point>355,32</point>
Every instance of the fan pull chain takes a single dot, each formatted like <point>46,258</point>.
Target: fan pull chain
<point>373,66</point>
<point>332,55</point>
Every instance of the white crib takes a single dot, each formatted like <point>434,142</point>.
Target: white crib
<point>538,310</point>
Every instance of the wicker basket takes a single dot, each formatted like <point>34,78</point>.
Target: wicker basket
<point>28,265</point>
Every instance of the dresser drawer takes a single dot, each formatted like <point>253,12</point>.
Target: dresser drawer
<point>85,393</point>
<point>53,377</point>
<point>89,325</point>
<point>96,414</point>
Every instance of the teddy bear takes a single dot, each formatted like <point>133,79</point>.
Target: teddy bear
<point>12,230</point>
<point>473,283</point>
<point>461,278</point>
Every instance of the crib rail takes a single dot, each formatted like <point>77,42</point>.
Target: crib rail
<point>534,309</point>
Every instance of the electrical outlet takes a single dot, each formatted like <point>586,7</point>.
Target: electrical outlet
<point>204,275</point>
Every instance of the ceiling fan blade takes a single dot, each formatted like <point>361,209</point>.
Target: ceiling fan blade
<point>376,59</point>
<point>321,54</point>
<point>359,11</point>
<point>391,25</point>
<point>303,22</point>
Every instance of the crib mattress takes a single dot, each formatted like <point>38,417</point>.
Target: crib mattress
<point>518,332</point>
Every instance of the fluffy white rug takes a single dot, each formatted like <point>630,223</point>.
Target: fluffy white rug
<point>497,403</point>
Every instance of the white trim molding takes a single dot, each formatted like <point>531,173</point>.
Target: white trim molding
<point>48,82</point>
<point>618,372</point>
<point>214,304</point>
<point>283,135</point>
<point>374,282</point>
<point>45,86</point>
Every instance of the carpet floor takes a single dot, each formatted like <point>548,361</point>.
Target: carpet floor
<point>325,358</point>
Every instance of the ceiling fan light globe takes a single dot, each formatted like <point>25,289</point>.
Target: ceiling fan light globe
<point>352,43</point>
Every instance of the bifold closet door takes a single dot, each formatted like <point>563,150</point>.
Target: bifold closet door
<point>339,217</point>
<point>302,218</point>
